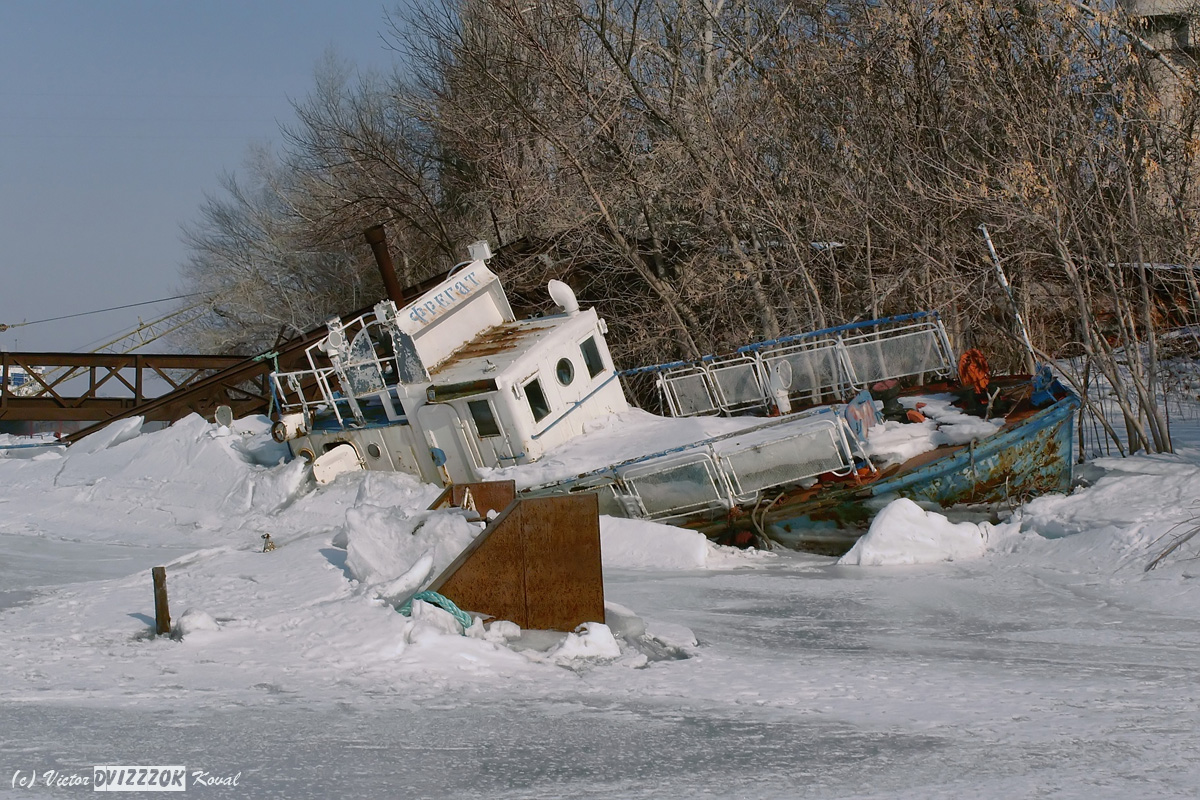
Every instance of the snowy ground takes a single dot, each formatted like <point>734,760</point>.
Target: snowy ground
<point>1040,661</point>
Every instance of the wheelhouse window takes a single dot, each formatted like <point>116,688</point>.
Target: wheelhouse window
<point>591,356</point>
<point>537,400</point>
<point>484,418</point>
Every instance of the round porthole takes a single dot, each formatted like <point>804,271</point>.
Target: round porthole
<point>565,371</point>
<point>373,450</point>
<point>307,455</point>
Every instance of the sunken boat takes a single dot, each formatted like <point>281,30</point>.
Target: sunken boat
<point>826,426</point>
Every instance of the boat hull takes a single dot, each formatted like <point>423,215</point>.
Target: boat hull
<point>1023,460</point>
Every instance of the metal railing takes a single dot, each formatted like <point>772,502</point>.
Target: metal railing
<point>719,473</point>
<point>360,372</point>
<point>833,362</point>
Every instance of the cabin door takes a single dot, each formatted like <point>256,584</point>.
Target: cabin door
<point>444,432</point>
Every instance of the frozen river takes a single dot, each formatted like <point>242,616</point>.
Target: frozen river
<point>1046,663</point>
<point>811,680</point>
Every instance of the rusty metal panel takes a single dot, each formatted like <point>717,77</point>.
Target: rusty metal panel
<point>537,564</point>
<point>564,582</point>
<point>489,576</point>
<point>1030,458</point>
<point>486,496</point>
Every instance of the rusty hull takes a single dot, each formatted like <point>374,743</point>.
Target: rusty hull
<point>1030,456</point>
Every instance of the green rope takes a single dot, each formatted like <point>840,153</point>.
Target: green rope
<point>442,602</point>
<point>271,354</point>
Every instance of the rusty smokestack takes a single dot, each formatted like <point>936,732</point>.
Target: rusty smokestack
<point>377,238</point>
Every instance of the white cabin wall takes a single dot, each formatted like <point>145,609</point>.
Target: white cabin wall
<point>604,394</point>
<point>472,297</point>
<point>494,451</point>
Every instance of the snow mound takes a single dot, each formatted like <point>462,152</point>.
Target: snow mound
<point>905,533</point>
<point>591,640</point>
<point>111,435</point>
<point>171,469</point>
<point>193,621</point>
<point>1143,464</point>
<point>385,546</point>
<point>638,544</point>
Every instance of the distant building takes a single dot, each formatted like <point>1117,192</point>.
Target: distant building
<point>1170,26</point>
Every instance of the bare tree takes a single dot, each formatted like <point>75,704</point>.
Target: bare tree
<point>715,171</point>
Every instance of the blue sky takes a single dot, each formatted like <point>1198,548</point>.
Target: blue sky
<point>116,117</point>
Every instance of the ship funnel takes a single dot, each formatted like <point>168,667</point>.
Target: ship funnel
<point>564,297</point>
<point>377,238</point>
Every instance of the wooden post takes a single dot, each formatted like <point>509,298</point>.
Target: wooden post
<point>162,616</point>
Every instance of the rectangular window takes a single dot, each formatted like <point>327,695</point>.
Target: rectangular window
<point>591,356</point>
<point>537,400</point>
<point>485,420</point>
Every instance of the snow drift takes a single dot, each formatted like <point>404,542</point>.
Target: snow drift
<point>905,533</point>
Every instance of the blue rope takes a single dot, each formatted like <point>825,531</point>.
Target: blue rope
<point>442,602</point>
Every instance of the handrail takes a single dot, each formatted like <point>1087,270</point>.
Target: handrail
<point>725,467</point>
<point>850,326</point>
<point>674,378</point>
<point>812,412</point>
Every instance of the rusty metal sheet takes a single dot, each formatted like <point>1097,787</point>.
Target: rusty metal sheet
<point>564,582</point>
<point>489,576</point>
<point>486,496</point>
<point>537,564</point>
<point>494,341</point>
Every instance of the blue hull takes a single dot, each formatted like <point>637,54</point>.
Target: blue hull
<point>1023,460</point>
<point>1031,458</point>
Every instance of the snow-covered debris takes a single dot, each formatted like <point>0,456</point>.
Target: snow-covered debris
<point>384,544</point>
<point>592,640</point>
<point>896,442</point>
<point>905,533</point>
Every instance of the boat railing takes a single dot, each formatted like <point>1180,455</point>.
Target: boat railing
<point>292,399</point>
<point>719,473</point>
<point>918,349</point>
<point>833,362</point>
<point>358,368</point>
